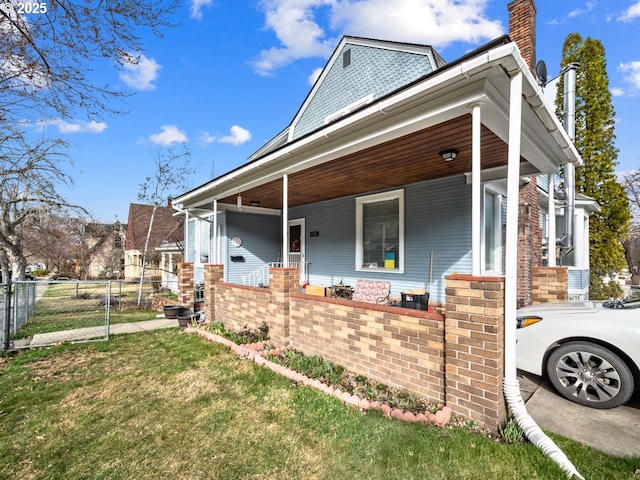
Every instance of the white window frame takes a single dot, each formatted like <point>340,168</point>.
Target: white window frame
<point>499,194</point>
<point>379,197</point>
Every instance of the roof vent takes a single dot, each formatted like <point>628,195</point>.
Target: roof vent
<point>346,58</point>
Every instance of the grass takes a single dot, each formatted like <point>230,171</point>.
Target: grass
<point>69,305</point>
<point>166,404</point>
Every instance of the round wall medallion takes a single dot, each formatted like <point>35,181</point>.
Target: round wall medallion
<point>236,241</point>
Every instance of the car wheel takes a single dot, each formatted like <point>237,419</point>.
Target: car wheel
<point>590,375</point>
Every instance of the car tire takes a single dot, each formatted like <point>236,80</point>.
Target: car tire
<point>590,375</point>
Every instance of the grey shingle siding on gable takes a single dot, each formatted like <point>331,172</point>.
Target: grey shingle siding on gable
<point>445,203</point>
<point>374,71</point>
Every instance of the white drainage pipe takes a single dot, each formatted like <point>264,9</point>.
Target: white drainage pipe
<point>511,389</point>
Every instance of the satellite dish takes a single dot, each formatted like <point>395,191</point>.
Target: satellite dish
<point>541,71</point>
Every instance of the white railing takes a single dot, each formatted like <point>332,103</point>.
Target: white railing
<point>260,277</point>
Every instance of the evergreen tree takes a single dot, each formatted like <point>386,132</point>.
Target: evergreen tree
<point>596,178</point>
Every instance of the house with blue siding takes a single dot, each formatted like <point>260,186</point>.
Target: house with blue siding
<point>396,167</point>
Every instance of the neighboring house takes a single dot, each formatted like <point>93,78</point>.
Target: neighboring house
<point>395,167</point>
<point>170,255</point>
<point>107,250</point>
<point>166,229</point>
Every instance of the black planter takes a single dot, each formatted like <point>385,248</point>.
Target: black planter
<point>172,311</point>
<point>186,318</point>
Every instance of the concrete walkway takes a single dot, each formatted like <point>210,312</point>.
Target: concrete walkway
<point>92,333</point>
<point>615,431</point>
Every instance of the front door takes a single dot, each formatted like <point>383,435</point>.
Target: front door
<point>296,247</point>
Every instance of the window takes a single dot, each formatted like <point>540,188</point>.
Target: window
<point>492,232</point>
<point>380,232</point>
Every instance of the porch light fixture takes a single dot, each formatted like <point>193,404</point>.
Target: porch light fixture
<point>449,154</point>
<point>239,202</point>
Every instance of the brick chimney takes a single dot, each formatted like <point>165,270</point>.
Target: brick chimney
<point>522,29</point>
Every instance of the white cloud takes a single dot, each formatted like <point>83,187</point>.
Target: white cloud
<point>169,135</point>
<point>314,76</point>
<point>140,72</point>
<point>76,127</point>
<point>238,136</point>
<point>197,6</point>
<point>617,92</point>
<point>579,11</point>
<point>206,138</point>
<point>632,12</point>
<point>632,73</point>
<point>433,22</point>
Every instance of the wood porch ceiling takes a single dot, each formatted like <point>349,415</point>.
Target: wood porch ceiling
<point>405,160</point>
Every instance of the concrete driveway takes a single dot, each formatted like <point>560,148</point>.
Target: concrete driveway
<point>615,431</point>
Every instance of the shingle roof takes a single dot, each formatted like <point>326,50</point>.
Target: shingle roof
<point>165,226</point>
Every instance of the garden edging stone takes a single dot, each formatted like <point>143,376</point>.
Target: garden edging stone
<point>253,352</point>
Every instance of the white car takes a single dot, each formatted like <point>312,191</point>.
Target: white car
<point>589,351</point>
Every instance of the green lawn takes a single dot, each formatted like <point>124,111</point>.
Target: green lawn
<point>167,404</point>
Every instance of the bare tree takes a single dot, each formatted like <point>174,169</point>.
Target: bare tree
<point>171,171</point>
<point>30,169</point>
<point>631,183</point>
<point>46,58</point>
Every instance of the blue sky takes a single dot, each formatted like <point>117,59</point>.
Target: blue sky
<point>233,74</point>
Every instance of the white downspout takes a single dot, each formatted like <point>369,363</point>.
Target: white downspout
<point>285,220</point>
<point>476,188</point>
<point>551,223</point>
<point>511,385</point>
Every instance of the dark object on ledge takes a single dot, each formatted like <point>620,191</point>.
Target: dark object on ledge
<point>172,311</point>
<point>415,301</point>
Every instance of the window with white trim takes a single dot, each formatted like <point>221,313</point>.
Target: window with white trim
<point>380,232</point>
<point>492,238</point>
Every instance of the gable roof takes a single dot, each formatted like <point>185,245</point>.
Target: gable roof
<point>166,227</point>
<point>395,139</point>
<point>360,71</point>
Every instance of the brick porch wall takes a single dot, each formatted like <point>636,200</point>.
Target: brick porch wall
<point>550,284</point>
<point>185,283</point>
<point>474,348</point>
<point>239,306</point>
<point>457,360</point>
<point>397,346</point>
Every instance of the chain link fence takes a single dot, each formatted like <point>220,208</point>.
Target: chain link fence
<point>48,312</point>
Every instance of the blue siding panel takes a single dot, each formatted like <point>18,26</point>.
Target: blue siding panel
<point>437,219</point>
<point>261,243</point>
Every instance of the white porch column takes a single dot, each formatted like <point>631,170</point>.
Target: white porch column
<point>285,220</point>
<point>163,266</point>
<point>215,251</point>
<point>476,190</point>
<point>511,247</point>
<point>186,236</point>
<point>551,225</point>
<point>170,263</point>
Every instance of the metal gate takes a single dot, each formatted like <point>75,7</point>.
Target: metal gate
<point>41,313</point>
